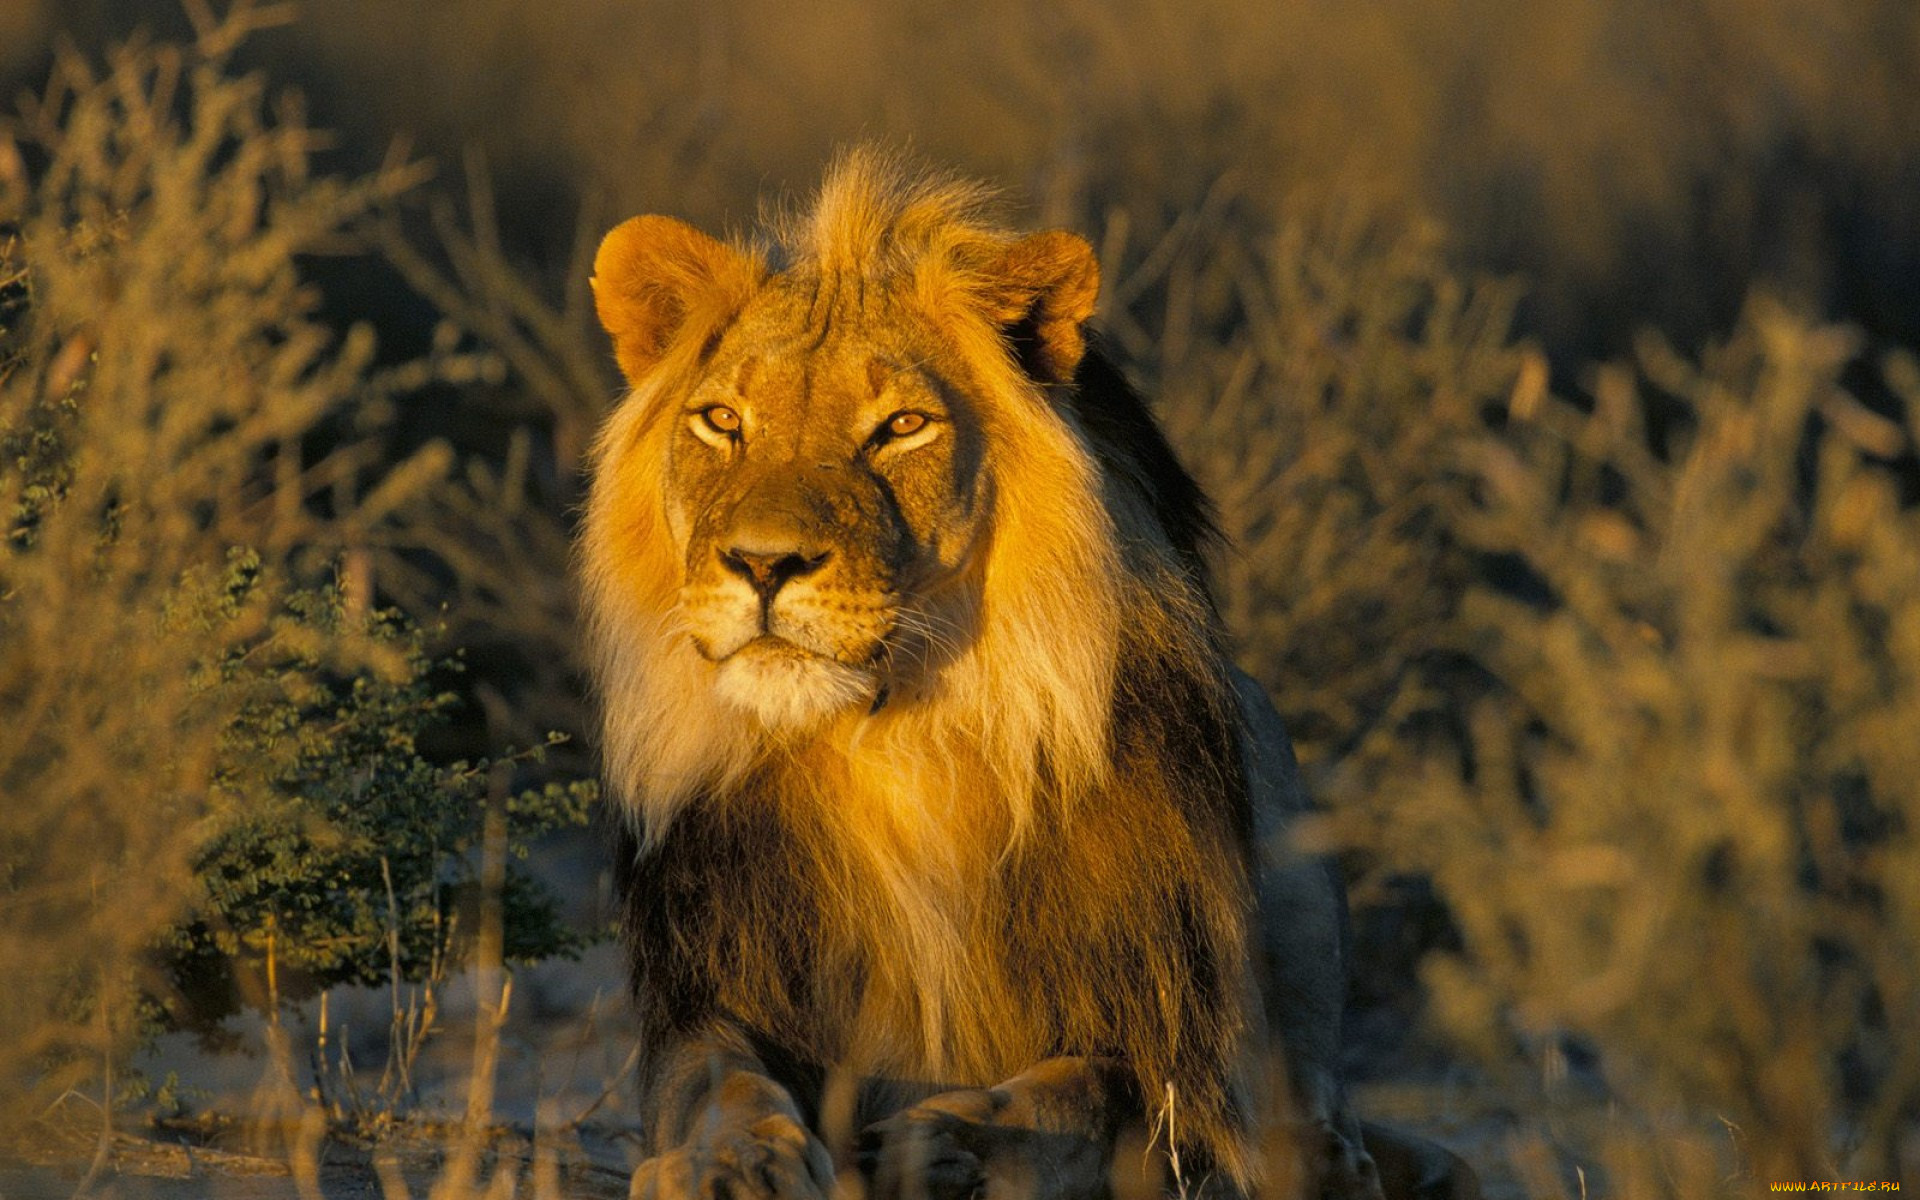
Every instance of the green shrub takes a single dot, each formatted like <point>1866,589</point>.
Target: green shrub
<point>333,852</point>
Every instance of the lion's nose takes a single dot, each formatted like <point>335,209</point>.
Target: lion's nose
<point>769,570</point>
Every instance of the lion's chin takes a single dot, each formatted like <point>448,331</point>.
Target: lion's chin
<point>790,689</point>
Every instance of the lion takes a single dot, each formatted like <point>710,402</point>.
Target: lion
<point>943,816</point>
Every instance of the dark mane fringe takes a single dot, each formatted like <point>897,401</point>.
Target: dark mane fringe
<point>1133,451</point>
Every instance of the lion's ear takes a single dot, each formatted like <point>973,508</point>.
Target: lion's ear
<point>1042,289</point>
<point>655,278</point>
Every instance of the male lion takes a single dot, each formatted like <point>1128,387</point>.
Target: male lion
<point>947,820</point>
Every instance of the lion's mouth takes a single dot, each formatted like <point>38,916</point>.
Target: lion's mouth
<point>767,648</point>
<point>789,686</point>
<point>774,646</point>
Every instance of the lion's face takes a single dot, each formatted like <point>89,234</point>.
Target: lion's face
<point>825,495</point>
<point>841,489</point>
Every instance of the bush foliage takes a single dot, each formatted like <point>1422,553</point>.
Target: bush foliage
<point>333,852</point>
<point>1682,828</point>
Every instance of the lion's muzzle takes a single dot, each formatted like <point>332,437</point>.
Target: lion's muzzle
<point>791,607</point>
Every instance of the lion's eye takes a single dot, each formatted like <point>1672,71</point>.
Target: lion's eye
<point>721,419</point>
<point>905,424</point>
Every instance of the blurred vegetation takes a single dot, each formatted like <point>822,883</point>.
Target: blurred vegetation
<point>1553,366</point>
<point>1679,836</point>
<point>1325,416</point>
<point>1643,161</point>
<point>209,759</point>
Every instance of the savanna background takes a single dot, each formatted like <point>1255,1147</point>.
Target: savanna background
<point>1553,364</point>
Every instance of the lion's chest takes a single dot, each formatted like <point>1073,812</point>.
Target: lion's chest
<point>907,932</point>
<point>924,918</point>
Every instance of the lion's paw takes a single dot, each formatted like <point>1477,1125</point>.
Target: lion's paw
<point>772,1159</point>
<point>931,1151</point>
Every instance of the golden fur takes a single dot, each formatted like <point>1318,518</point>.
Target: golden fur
<point>931,760</point>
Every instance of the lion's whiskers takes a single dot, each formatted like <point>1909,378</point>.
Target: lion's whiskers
<point>944,644</point>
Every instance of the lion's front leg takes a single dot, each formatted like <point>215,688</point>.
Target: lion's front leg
<point>721,1128</point>
<point>1046,1134</point>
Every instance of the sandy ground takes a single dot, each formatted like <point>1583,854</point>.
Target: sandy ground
<point>144,1169</point>
<point>592,1164</point>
